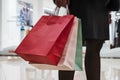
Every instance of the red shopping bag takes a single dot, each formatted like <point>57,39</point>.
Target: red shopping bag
<point>46,41</point>
<point>67,61</point>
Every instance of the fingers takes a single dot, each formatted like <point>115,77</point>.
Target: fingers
<point>64,3</point>
<point>60,3</point>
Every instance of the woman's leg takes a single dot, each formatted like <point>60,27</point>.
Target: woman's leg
<point>66,75</point>
<point>119,39</point>
<point>92,59</point>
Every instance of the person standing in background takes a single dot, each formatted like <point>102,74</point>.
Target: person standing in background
<point>95,30</point>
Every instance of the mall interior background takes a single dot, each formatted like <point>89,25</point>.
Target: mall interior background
<point>10,37</point>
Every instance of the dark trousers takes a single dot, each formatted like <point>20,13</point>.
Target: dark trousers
<point>119,39</point>
<point>92,62</point>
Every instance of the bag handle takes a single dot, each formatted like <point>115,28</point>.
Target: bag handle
<point>57,9</point>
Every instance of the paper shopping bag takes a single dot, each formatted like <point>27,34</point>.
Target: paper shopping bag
<point>46,41</point>
<point>78,57</point>
<point>70,54</point>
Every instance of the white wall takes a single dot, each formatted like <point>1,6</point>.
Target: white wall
<point>48,4</point>
<point>9,31</point>
<point>0,20</point>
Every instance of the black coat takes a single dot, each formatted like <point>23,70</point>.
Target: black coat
<point>94,16</point>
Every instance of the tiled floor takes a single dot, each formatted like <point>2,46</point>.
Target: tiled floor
<point>110,70</point>
<point>16,70</point>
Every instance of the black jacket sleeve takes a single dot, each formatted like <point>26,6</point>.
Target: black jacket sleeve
<point>113,5</point>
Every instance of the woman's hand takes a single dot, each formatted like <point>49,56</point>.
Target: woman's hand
<point>61,3</point>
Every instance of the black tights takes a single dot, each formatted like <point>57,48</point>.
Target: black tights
<point>92,62</point>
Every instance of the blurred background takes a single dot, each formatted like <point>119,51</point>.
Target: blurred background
<point>17,17</point>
